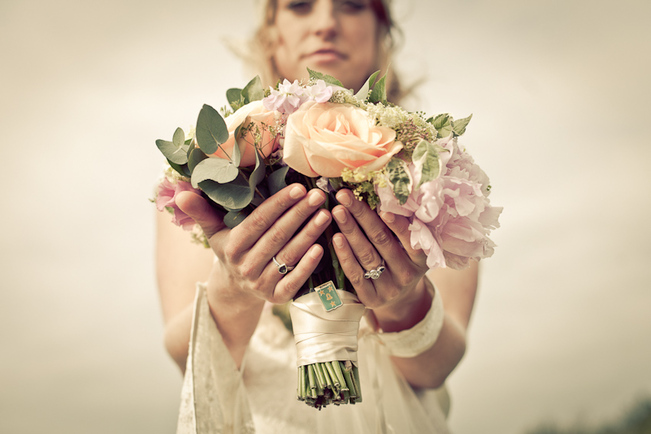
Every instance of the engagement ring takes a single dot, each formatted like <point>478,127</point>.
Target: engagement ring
<point>376,272</point>
<point>284,268</point>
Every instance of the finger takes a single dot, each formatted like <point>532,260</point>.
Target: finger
<point>284,227</point>
<point>298,245</point>
<point>364,288</point>
<point>201,212</point>
<point>292,282</point>
<point>264,216</point>
<point>399,225</point>
<point>366,254</point>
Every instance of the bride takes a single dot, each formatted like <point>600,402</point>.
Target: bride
<point>238,358</point>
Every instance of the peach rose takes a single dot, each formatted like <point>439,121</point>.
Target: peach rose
<point>262,119</point>
<point>323,139</point>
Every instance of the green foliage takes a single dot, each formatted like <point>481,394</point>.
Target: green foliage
<point>362,94</point>
<point>195,156</point>
<point>253,91</point>
<point>175,151</point>
<point>214,169</point>
<point>276,180</point>
<point>443,125</point>
<point>459,126</point>
<point>235,98</point>
<point>315,75</point>
<point>211,130</point>
<point>379,92</point>
<point>398,175</point>
<point>237,194</point>
<point>426,158</point>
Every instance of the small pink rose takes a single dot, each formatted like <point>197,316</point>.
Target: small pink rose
<point>166,199</point>
<point>255,120</point>
<point>323,139</point>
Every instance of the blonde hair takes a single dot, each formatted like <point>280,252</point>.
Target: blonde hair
<point>263,46</point>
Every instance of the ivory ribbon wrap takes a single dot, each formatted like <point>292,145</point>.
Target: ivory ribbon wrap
<point>323,336</point>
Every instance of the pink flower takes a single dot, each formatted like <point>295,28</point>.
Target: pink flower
<point>451,216</point>
<point>320,92</point>
<point>255,120</point>
<point>324,139</point>
<point>166,199</point>
<point>287,99</point>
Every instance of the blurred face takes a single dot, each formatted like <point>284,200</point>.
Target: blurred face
<point>336,37</point>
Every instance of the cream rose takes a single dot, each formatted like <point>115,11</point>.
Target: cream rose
<point>323,139</point>
<point>262,119</point>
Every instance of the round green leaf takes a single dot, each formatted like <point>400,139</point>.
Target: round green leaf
<point>211,130</point>
<point>214,169</point>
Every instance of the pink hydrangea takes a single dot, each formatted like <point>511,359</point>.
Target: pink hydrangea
<point>451,216</point>
<point>166,199</point>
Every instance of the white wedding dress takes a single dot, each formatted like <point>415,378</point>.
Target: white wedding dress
<point>261,397</point>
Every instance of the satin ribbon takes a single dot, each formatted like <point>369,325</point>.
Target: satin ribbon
<point>323,336</point>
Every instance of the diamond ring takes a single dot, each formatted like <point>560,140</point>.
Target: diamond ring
<point>375,273</point>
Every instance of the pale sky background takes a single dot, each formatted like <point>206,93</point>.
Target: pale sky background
<point>560,94</point>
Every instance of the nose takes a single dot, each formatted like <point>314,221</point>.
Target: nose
<point>325,19</point>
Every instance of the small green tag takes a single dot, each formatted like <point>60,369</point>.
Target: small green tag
<point>328,295</point>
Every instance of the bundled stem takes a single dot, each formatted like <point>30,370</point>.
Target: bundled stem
<point>336,382</point>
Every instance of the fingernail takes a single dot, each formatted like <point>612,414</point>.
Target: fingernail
<point>388,217</point>
<point>338,241</point>
<point>345,199</point>
<point>340,215</point>
<point>321,218</point>
<point>296,192</point>
<point>316,198</point>
<point>315,252</point>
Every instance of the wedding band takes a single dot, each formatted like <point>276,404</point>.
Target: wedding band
<point>282,268</point>
<point>376,272</point>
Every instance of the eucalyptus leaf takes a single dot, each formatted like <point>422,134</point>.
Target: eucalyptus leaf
<point>236,154</point>
<point>315,75</point>
<point>235,217</point>
<point>426,159</point>
<point>211,130</point>
<point>364,91</point>
<point>459,125</point>
<point>237,194</point>
<point>182,169</point>
<point>196,156</point>
<point>257,176</point>
<point>400,179</point>
<point>379,92</point>
<point>276,180</point>
<point>178,138</point>
<point>234,97</point>
<point>214,169</point>
<point>253,91</point>
<point>175,154</point>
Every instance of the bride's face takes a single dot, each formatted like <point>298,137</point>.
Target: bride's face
<point>336,37</point>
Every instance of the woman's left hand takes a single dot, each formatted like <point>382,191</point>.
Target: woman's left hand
<point>367,242</point>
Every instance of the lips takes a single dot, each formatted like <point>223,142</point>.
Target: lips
<point>327,54</point>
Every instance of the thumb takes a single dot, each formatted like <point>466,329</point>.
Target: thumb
<point>201,212</point>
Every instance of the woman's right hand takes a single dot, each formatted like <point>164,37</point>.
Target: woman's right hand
<point>245,268</point>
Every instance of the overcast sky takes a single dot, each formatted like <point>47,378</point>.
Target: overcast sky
<point>560,95</point>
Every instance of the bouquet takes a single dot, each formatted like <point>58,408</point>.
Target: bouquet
<point>325,136</point>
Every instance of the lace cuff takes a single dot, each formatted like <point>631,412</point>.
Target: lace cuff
<point>419,338</point>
